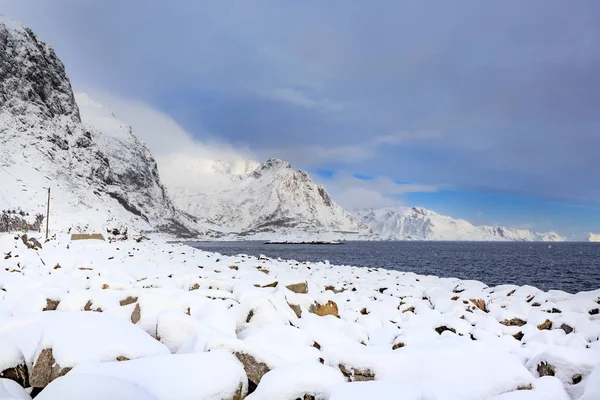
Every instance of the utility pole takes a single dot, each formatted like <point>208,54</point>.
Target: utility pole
<point>48,213</point>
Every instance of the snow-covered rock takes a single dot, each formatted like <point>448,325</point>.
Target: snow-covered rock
<point>267,200</point>
<point>405,223</point>
<point>227,323</point>
<point>100,175</point>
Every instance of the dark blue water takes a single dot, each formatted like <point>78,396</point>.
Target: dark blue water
<point>572,267</point>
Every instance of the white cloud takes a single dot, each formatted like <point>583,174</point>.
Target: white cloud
<point>182,159</point>
<point>314,155</point>
<point>352,193</point>
<point>301,99</point>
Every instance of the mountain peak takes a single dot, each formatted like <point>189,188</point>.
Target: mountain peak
<point>273,163</point>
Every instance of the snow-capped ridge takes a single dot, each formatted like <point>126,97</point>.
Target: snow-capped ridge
<point>272,201</point>
<point>99,173</point>
<point>594,237</point>
<point>417,223</point>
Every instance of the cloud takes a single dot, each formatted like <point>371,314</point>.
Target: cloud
<point>352,192</point>
<point>513,98</point>
<point>308,156</point>
<point>301,99</point>
<point>183,160</point>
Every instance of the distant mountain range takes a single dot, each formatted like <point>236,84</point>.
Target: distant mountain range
<point>405,223</point>
<point>103,176</point>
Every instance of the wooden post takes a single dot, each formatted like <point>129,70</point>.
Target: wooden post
<point>48,213</point>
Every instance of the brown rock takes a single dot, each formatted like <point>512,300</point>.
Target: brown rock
<point>136,314</point>
<point>409,309</point>
<point>480,303</point>
<point>46,369</point>
<point>545,369</point>
<point>234,267</point>
<point>105,286</point>
<point>51,305</point>
<point>545,325</point>
<point>195,286</point>
<point>577,379</point>
<point>397,346</point>
<point>455,298</point>
<point>18,374</point>
<point>364,311</point>
<point>270,285</point>
<point>357,374</point>
<point>333,289</point>
<point>301,288</point>
<point>254,368</point>
<point>122,358</point>
<point>128,300</point>
<point>525,387</point>
<point>519,336</point>
<point>513,322</point>
<point>321,310</point>
<point>297,309</point>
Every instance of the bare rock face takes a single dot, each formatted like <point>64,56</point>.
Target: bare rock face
<point>301,288</point>
<point>330,308</point>
<point>45,369</point>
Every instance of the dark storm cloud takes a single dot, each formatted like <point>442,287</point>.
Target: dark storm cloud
<point>512,88</point>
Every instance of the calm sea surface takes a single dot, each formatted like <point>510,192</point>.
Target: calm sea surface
<point>572,267</point>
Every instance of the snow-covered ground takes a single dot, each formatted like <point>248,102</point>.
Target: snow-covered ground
<point>150,320</point>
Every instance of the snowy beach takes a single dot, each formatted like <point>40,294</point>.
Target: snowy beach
<point>150,320</point>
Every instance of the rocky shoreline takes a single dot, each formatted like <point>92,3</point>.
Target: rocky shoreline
<point>146,319</point>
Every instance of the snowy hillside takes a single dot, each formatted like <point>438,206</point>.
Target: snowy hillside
<point>405,223</point>
<point>270,201</point>
<point>100,174</point>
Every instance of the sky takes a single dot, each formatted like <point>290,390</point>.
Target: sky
<point>488,111</point>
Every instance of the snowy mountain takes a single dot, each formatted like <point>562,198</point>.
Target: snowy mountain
<point>100,174</point>
<point>263,200</point>
<point>405,223</point>
<point>594,237</point>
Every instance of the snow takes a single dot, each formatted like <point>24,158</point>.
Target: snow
<point>150,319</point>
<point>380,390</point>
<point>594,237</point>
<point>270,197</point>
<point>423,334</point>
<point>211,376</point>
<point>79,337</point>
<point>10,390</point>
<point>404,223</point>
<point>292,382</point>
<point>93,387</point>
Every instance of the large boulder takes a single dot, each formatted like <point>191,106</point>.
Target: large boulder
<point>211,375</point>
<point>69,339</point>
<point>93,387</point>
